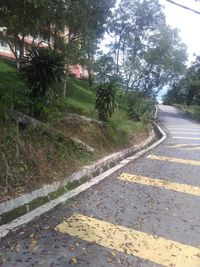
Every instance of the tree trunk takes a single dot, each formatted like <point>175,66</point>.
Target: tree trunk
<point>18,64</point>
<point>90,79</point>
<point>65,86</point>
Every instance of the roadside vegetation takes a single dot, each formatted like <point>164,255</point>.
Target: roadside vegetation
<point>192,111</point>
<point>30,158</point>
<point>185,92</point>
<point>51,123</point>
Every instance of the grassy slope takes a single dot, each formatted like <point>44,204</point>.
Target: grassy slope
<point>28,159</point>
<point>192,111</point>
<point>8,74</point>
<point>81,100</point>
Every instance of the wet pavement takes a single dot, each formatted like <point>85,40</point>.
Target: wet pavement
<point>145,214</point>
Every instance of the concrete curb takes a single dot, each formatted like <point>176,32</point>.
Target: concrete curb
<point>156,112</point>
<point>103,166</point>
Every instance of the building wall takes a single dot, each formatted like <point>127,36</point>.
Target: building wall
<point>5,51</point>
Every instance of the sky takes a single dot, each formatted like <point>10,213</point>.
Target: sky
<point>189,25</point>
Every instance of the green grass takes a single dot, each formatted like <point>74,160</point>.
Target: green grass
<point>122,129</point>
<point>4,67</point>
<point>9,77</point>
<point>80,98</point>
<point>192,111</point>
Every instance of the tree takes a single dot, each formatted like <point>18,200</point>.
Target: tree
<point>147,53</point>
<point>22,19</point>
<point>187,89</point>
<point>104,68</point>
<point>130,27</point>
<point>87,20</point>
<point>163,62</point>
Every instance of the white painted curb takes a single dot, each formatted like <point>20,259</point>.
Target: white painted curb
<point>28,217</point>
<point>156,112</point>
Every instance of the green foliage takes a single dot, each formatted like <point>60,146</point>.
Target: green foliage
<point>147,53</point>
<point>139,108</point>
<point>23,18</point>
<point>87,19</point>
<point>104,67</point>
<point>41,68</point>
<point>13,93</point>
<point>173,95</point>
<point>106,100</point>
<point>192,111</point>
<point>187,89</point>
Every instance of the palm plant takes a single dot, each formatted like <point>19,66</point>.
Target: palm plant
<point>106,100</point>
<point>41,68</point>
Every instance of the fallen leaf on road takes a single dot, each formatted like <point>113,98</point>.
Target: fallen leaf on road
<point>73,260</point>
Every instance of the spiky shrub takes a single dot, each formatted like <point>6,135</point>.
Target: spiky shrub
<point>106,100</point>
<point>41,68</point>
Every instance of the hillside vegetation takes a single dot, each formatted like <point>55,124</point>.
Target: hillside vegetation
<point>44,135</point>
<point>30,158</point>
<point>185,92</point>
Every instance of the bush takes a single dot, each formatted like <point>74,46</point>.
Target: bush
<point>41,68</point>
<point>106,100</point>
<point>139,108</point>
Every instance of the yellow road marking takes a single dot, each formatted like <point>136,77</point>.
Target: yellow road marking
<point>177,146</point>
<point>149,247</point>
<point>183,188</point>
<point>185,137</point>
<point>181,145</point>
<point>176,160</point>
<point>185,147</point>
<point>192,148</point>
<point>184,127</point>
<point>193,133</point>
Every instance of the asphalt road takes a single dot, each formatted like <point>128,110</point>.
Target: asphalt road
<point>145,214</point>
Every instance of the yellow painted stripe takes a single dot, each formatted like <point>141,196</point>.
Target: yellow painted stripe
<point>185,147</point>
<point>175,160</point>
<point>181,145</point>
<point>192,133</point>
<point>149,247</point>
<point>191,148</point>
<point>183,188</point>
<point>177,145</point>
<point>184,127</point>
<point>185,137</point>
